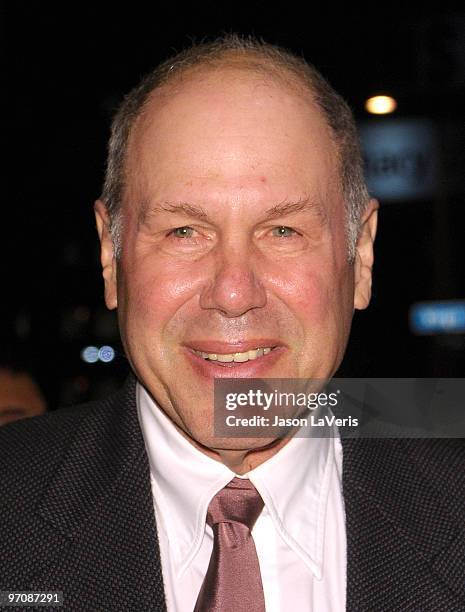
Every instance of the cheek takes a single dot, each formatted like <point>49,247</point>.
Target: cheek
<point>315,300</point>
<point>318,295</point>
<point>154,293</point>
<point>307,293</point>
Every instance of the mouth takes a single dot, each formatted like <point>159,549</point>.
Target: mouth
<point>251,359</point>
<point>237,357</point>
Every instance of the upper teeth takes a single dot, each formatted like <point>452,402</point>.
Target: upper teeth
<point>238,357</point>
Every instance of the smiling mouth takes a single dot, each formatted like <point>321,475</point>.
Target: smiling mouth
<point>243,357</point>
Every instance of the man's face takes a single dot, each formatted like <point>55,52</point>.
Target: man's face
<point>233,241</point>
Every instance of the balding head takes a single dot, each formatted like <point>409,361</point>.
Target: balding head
<point>267,62</point>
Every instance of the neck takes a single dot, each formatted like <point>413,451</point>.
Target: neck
<point>241,461</point>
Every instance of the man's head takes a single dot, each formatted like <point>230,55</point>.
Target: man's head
<point>20,396</point>
<point>227,225</point>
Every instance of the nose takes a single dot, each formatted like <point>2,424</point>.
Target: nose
<point>235,287</point>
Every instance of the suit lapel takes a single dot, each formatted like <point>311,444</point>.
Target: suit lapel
<point>100,508</point>
<point>404,539</point>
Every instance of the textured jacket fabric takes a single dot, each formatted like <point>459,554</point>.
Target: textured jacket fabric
<point>76,515</point>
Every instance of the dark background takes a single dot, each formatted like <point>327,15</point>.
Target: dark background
<point>66,67</point>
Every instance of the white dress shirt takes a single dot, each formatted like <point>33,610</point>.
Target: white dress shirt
<point>299,536</point>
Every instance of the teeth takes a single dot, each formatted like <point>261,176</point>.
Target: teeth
<point>243,357</point>
<point>236,357</point>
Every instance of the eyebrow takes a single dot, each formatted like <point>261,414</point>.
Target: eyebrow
<point>197,212</point>
<point>189,210</point>
<point>289,208</point>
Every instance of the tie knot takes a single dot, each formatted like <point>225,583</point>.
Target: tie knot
<point>238,502</point>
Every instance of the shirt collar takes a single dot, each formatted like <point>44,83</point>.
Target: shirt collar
<point>294,484</point>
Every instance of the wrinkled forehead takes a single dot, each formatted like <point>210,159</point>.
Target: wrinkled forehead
<point>231,125</point>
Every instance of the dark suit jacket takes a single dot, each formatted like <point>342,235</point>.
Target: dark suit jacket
<point>77,515</point>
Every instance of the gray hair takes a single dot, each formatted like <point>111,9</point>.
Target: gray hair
<point>254,55</point>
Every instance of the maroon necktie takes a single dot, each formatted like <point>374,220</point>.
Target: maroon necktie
<point>233,582</point>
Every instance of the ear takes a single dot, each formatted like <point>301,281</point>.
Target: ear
<point>364,256</point>
<point>107,258</point>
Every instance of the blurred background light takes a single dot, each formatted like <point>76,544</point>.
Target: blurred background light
<point>442,317</point>
<point>90,354</point>
<point>380,105</point>
<point>106,354</point>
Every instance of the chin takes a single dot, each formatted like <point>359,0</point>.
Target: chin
<point>219,445</point>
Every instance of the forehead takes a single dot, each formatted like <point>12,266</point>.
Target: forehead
<point>229,129</point>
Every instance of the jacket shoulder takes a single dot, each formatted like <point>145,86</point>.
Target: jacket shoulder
<point>31,449</point>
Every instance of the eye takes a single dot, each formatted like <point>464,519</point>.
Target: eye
<point>283,231</point>
<point>182,232</point>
